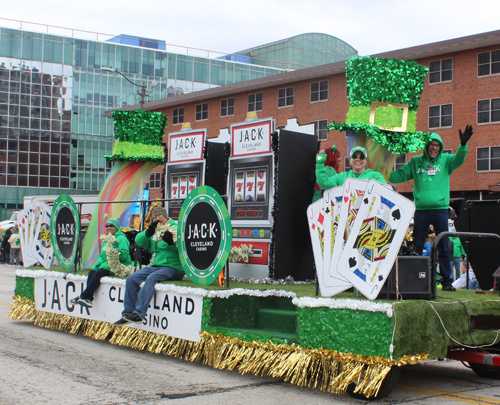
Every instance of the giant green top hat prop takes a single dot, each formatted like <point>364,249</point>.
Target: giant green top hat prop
<point>139,135</point>
<point>383,96</point>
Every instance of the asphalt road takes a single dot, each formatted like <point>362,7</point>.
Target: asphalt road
<point>40,365</point>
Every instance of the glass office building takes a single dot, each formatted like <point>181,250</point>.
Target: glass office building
<point>300,51</point>
<point>53,95</point>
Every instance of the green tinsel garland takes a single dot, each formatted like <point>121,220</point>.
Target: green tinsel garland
<point>144,127</point>
<point>395,142</point>
<point>385,80</point>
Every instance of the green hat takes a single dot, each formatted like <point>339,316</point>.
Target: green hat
<point>359,149</point>
<point>383,97</point>
<point>115,222</point>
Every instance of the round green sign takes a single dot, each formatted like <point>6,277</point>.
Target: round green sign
<point>205,235</point>
<point>65,231</point>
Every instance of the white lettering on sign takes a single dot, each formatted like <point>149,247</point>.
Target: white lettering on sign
<point>184,147</point>
<point>169,313</point>
<point>251,138</point>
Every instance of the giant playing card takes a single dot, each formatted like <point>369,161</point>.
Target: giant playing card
<point>375,238</point>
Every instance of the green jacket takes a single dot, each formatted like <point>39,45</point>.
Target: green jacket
<point>326,182</point>
<point>163,254</point>
<point>431,192</point>
<point>123,246</point>
<point>330,172</point>
<point>458,249</point>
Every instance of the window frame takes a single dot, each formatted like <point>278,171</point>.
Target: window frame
<point>489,111</point>
<point>317,129</point>
<point>286,97</point>
<point>157,179</point>
<point>492,64</point>
<point>202,114</point>
<point>441,71</point>
<point>397,165</point>
<point>441,116</point>
<point>488,159</point>
<point>176,117</point>
<point>256,102</point>
<point>321,94</point>
<point>225,111</point>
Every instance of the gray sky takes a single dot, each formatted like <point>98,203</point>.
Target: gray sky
<point>226,26</point>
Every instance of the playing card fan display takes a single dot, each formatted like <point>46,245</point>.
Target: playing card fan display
<point>356,232</point>
<point>34,234</point>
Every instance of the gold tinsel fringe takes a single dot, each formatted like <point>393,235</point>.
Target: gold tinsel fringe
<point>327,370</point>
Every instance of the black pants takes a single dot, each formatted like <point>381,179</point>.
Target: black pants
<point>93,282</point>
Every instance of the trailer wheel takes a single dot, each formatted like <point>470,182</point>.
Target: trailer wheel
<point>486,370</point>
<point>388,385</point>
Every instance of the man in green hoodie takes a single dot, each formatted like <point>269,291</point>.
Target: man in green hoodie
<point>431,193</point>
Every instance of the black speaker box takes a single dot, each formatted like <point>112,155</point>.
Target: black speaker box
<point>414,279</point>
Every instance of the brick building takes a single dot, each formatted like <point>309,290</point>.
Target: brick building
<point>463,87</point>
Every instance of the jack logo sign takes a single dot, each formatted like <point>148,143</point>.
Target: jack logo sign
<point>204,235</point>
<point>65,231</point>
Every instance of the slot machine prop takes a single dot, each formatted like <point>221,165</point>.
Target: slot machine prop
<point>270,186</point>
<point>193,161</point>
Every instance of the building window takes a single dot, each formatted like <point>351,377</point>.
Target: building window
<point>488,110</point>
<point>286,97</point>
<point>488,63</point>
<point>441,71</point>
<point>319,91</point>
<point>255,102</point>
<point>227,107</point>
<point>441,116</point>
<point>347,164</point>
<point>202,112</point>
<point>155,180</point>
<point>488,158</point>
<point>400,161</point>
<point>178,116</point>
<point>449,151</point>
<point>321,129</point>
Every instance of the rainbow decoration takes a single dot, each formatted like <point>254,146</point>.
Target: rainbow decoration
<point>124,183</point>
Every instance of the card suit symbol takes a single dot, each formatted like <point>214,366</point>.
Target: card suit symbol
<point>191,179</point>
<point>365,200</point>
<point>396,214</point>
<point>380,278</point>
<point>327,210</point>
<point>352,262</point>
<point>346,198</point>
<point>260,174</point>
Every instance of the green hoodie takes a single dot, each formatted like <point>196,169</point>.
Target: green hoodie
<point>123,246</point>
<point>163,253</point>
<point>431,192</point>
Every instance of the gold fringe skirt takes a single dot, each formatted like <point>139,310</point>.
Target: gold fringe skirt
<point>327,370</point>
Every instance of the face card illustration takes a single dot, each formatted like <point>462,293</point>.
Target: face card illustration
<point>332,203</point>
<point>375,238</point>
<point>42,244</point>
<point>23,221</point>
<point>352,198</point>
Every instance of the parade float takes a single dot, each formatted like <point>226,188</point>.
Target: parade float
<point>272,319</point>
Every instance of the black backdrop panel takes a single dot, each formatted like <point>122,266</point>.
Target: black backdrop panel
<point>296,162</point>
<point>216,167</point>
<point>484,254</point>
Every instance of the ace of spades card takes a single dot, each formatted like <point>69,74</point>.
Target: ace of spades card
<point>375,238</point>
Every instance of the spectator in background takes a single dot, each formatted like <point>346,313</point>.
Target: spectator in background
<point>15,247</point>
<point>457,252</point>
<point>427,250</point>
<point>6,246</point>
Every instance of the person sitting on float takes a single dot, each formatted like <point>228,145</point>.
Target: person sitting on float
<point>105,266</point>
<point>160,238</point>
<point>359,171</point>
